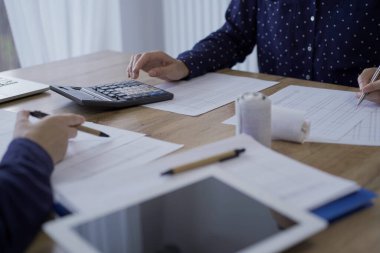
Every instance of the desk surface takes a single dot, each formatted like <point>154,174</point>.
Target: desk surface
<point>359,232</point>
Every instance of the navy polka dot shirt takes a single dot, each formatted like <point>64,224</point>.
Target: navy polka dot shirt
<point>322,40</point>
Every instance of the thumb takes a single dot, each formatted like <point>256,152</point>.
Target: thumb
<point>22,123</point>
<point>365,77</point>
<point>371,87</point>
<point>69,119</point>
<point>22,117</point>
<point>161,72</point>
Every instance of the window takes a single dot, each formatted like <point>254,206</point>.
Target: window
<point>8,55</point>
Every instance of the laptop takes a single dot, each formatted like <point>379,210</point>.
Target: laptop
<point>13,88</point>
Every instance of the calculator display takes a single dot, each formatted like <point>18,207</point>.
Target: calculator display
<point>120,94</point>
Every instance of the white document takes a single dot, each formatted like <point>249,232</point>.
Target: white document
<point>208,92</point>
<point>334,116</point>
<point>90,155</point>
<point>332,113</point>
<point>298,184</point>
<point>366,132</point>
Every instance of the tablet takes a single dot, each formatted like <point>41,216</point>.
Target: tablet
<point>214,213</point>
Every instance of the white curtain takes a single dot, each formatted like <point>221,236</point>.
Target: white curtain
<point>48,30</point>
<point>188,21</point>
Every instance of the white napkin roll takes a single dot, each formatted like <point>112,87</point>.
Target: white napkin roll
<point>253,111</point>
<point>289,125</point>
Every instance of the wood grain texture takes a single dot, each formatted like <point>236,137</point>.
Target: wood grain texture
<point>359,232</point>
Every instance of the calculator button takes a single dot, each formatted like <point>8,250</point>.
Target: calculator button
<point>129,93</point>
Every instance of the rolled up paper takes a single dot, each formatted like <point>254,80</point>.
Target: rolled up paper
<point>253,111</point>
<point>289,125</point>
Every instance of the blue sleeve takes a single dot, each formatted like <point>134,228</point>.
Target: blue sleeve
<point>228,45</point>
<point>25,194</point>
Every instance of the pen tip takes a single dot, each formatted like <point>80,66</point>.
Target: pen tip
<point>167,173</point>
<point>103,134</point>
<point>239,151</point>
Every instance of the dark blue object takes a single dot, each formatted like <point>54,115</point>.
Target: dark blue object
<point>345,205</point>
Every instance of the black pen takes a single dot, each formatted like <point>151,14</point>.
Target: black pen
<point>212,159</point>
<point>39,115</point>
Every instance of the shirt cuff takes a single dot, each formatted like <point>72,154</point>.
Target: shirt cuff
<point>30,150</point>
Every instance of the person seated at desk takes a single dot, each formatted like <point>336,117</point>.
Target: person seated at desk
<point>327,41</point>
<point>25,191</point>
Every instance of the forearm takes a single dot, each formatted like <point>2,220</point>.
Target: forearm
<point>25,194</point>
<point>228,45</point>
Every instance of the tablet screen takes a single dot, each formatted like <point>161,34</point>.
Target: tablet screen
<point>206,216</point>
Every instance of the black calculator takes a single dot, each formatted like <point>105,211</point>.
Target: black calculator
<point>120,94</point>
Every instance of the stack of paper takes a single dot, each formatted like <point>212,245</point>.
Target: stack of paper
<point>333,115</point>
<point>343,122</point>
<point>292,181</point>
<point>208,92</point>
<point>90,155</point>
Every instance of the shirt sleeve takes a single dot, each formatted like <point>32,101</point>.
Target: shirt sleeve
<point>228,45</point>
<point>25,194</point>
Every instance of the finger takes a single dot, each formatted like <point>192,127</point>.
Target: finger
<point>365,77</point>
<point>371,87</point>
<point>22,123</point>
<point>147,60</point>
<point>130,65</point>
<point>135,72</point>
<point>373,97</point>
<point>22,117</point>
<point>166,73</point>
<point>72,132</point>
<point>129,68</point>
<point>160,72</point>
<point>69,119</point>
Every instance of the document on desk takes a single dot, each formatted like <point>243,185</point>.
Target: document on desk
<point>290,180</point>
<point>367,132</point>
<point>88,155</point>
<point>208,92</point>
<point>333,114</point>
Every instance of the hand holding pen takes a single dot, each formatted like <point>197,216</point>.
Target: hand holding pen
<point>40,115</point>
<point>369,83</point>
<point>51,133</point>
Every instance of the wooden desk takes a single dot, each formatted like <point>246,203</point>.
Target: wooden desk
<point>359,232</point>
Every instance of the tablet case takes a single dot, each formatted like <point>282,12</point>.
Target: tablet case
<point>329,212</point>
<point>345,205</point>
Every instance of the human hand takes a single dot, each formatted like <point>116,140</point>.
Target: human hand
<point>372,89</point>
<point>157,64</point>
<point>51,133</point>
